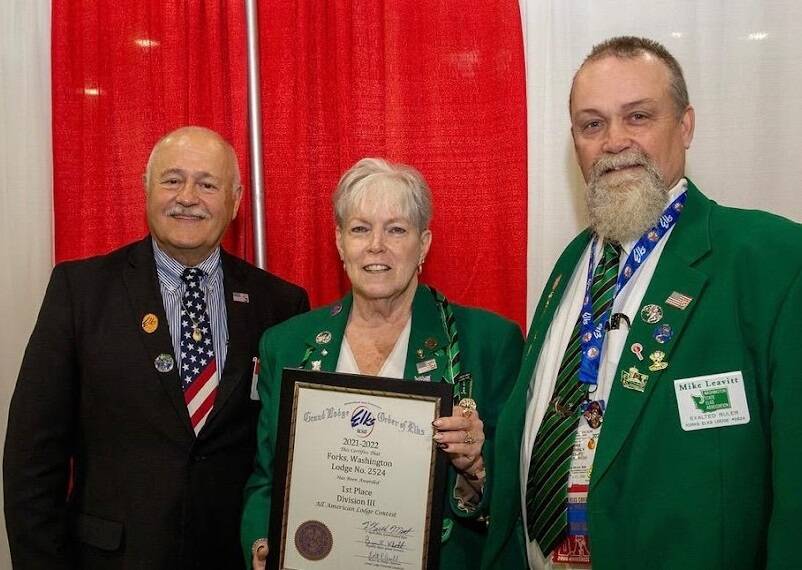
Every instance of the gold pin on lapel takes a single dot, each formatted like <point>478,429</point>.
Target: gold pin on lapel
<point>430,343</point>
<point>150,323</point>
<point>323,337</point>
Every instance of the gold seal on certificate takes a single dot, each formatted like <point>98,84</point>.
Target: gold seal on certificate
<point>359,481</point>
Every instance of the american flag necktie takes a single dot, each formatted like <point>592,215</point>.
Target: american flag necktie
<point>199,377</point>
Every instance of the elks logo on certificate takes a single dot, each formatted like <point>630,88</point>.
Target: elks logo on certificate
<point>712,401</point>
<point>359,481</point>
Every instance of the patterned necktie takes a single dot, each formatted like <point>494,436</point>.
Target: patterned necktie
<point>547,481</point>
<point>199,376</point>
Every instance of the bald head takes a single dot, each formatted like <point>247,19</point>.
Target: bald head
<point>193,192</point>
<point>198,133</point>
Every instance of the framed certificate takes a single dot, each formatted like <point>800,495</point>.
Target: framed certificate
<point>358,480</point>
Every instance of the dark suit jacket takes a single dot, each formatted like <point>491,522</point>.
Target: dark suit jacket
<point>145,492</point>
<point>723,498</point>
<point>490,349</point>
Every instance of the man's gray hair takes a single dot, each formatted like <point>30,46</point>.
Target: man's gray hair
<point>628,47</point>
<point>411,190</point>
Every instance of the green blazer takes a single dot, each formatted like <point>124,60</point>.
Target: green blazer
<point>490,348</point>
<point>660,497</point>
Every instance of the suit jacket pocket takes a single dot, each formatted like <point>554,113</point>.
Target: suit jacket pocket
<point>100,533</point>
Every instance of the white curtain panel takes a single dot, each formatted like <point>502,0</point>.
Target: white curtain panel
<point>25,188</point>
<point>743,65</point>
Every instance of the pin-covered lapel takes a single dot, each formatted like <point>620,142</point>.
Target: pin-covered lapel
<point>322,344</point>
<point>426,356</point>
<point>657,329</point>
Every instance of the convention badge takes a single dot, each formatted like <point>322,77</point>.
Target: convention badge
<point>663,333</point>
<point>651,314</point>
<point>718,400</point>
<point>323,337</point>
<point>657,361</point>
<point>426,366</point>
<point>637,350</point>
<point>632,379</point>
<point>679,300</point>
<point>150,323</point>
<point>164,362</point>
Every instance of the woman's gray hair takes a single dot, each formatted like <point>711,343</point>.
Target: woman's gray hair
<point>408,186</point>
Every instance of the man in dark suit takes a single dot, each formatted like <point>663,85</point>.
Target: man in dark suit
<point>132,427</point>
<point>654,421</point>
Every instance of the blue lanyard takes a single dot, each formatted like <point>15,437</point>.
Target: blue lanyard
<point>592,332</point>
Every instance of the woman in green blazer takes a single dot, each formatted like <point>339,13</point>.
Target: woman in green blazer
<point>391,326</point>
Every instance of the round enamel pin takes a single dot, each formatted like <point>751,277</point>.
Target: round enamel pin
<point>164,362</point>
<point>663,333</point>
<point>651,314</point>
<point>150,323</point>
<point>323,337</point>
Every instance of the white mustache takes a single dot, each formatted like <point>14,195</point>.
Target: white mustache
<point>194,212</point>
<point>610,162</point>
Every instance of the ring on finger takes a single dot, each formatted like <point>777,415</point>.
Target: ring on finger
<point>468,406</point>
<point>468,438</point>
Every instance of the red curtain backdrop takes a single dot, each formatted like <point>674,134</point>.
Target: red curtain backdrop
<point>438,85</point>
<point>124,74</point>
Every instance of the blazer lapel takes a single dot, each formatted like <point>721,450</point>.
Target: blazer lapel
<point>675,273</point>
<point>241,332</point>
<point>506,472</point>
<point>426,351</point>
<point>142,285</point>
<point>322,350</point>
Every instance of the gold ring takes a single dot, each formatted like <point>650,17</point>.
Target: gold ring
<point>469,438</point>
<point>468,406</point>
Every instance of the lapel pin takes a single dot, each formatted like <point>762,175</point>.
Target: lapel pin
<point>663,333</point>
<point>324,352</point>
<point>651,314</point>
<point>657,361</point>
<point>336,309</point>
<point>632,379</point>
<point>426,366</point>
<point>323,337</point>
<point>679,300</point>
<point>637,350</point>
<point>241,297</point>
<point>164,362</point>
<point>316,365</point>
<point>419,353</point>
<point>425,378</point>
<point>430,343</point>
<point>150,323</point>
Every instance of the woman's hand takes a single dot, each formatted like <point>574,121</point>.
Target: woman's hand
<point>259,550</point>
<point>462,436</point>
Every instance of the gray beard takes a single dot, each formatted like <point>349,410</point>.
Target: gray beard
<point>622,206</point>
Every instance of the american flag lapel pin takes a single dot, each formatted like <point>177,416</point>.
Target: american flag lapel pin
<point>679,300</point>
<point>241,297</point>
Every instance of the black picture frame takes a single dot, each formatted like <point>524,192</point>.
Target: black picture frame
<point>385,387</point>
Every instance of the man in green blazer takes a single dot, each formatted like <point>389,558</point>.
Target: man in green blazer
<point>680,411</point>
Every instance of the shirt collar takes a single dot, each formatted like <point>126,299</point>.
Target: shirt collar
<point>677,189</point>
<point>169,270</point>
